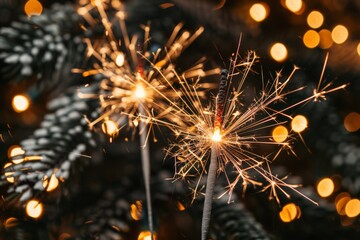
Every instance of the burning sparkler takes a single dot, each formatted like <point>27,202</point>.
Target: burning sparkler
<point>139,83</point>
<point>226,132</point>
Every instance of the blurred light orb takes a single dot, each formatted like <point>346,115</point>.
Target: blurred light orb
<point>180,206</point>
<point>34,208</point>
<point>326,40</point>
<point>352,122</point>
<point>352,208</point>
<point>339,34</point>
<point>20,103</point>
<point>294,5</point>
<point>52,184</point>
<point>358,49</point>
<point>136,210</point>
<point>8,175</point>
<point>315,19</point>
<point>290,212</point>
<point>259,11</point>
<point>299,123</point>
<point>33,7</point>
<point>340,203</point>
<point>14,151</point>
<point>325,187</point>
<point>120,59</point>
<point>278,52</point>
<point>109,127</point>
<point>311,39</point>
<point>279,134</point>
<point>146,235</point>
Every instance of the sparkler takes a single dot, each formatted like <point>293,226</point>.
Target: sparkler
<point>138,83</point>
<point>226,132</point>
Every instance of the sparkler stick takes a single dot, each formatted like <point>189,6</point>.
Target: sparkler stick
<point>145,160</point>
<point>211,179</point>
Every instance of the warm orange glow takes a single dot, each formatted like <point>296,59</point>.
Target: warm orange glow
<point>15,150</point>
<point>278,52</point>
<point>52,184</point>
<point>20,103</point>
<point>311,39</point>
<point>120,59</point>
<point>325,39</point>
<point>146,235</point>
<point>325,187</point>
<point>352,208</point>
<point>315,19</point>
<point>34,208</point>
<point>64,236</point>
<point>10,222</point>
<point>8,175</point>
<point>136,210</point>
<point>358,49</point>
<point>290,212</point>
<point>299,123</point>
<point>180,206</point>
<point>339,34</point>
<point>216,137</point>
<point>109,127</point>
<point>294,5</point>
<point>341,201</point>
<point>279,134</point>
<point>259,11</point>
<point>140,92</point>
<point>33,7</point>
<point>352,122</point>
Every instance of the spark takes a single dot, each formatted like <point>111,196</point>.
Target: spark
<point>244,128</point>
<point>138,84</point>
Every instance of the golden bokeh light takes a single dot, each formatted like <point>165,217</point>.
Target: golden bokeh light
<point>279,134</point>
<point>180,206</point>
<point>33,7</point>
<point>52,184</point>
<point>10,222</point>
<point>136,210</point>
<point>146,235</point>
<point>259,11</point>
<point>325,187</point>
<point>9,175</point>
<point>339,34</point>
<point>20,103</point>
<point>315,19</point>
<point>311,39</point>
<point>34,208</point>
<point>358,49</point>
<point>352,208</point>
<point>109,127</point>
<point>294,5</point>
<point>340,202</point>
<point>278,52</point>
<point>325,39</point>
<point>290,212</point>
<point>352,122</point>
<point>120,59</point>
<point>14,151</point>
<point>299,123</point>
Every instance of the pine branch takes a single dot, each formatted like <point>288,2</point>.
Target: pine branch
<point>44,47</point>
<point>63,138</point>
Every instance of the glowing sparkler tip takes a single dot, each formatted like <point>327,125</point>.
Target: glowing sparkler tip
<point>216,137</point>
<point>139,92</point>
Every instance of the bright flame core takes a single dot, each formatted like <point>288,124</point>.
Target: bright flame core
<point>139,92</point>
<point>216,137</point>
